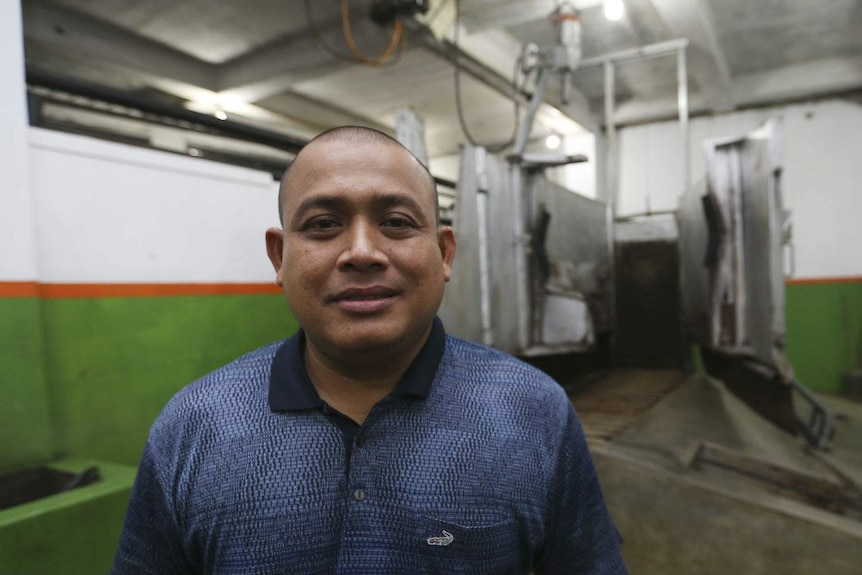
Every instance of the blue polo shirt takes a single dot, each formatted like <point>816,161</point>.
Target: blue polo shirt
<point>476,464</point>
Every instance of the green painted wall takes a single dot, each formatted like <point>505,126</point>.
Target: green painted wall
<point>68,533</point>
<point>824,332</point>
<point>113,363</point>
<point>25,423</point>
<point>87,377</point>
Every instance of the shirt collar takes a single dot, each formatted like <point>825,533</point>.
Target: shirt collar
<point>291,389</point>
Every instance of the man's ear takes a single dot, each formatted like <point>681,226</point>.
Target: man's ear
<point>446,241</point>
<point>275,251</point>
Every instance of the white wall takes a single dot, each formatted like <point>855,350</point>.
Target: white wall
<point>17,247</point>
<point>822,175</point>
<point>112,213</point>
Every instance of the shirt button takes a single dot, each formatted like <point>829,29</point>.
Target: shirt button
<point>359,495</point>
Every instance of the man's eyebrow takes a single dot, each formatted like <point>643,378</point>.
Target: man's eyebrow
<point>318,202</point>
<point>391,200</point>
<point>381,200</point>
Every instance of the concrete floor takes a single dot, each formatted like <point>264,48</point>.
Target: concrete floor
<point>698,483</point>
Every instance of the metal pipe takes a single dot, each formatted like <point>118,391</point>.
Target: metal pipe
<point>481,156</point>
<point>214,125</point>
<point>612,270</point>
<point>682,102</point>
<point>649,51</point>
<point>527,123</point>
<point>522,244</point>
<point>612,192</point>
<point>484,268</point>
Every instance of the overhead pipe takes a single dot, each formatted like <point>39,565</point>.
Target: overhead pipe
<point>682,104</point>
<point>113,96</point>
<point>650,51</point>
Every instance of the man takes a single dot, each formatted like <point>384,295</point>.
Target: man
<point>369,442</point>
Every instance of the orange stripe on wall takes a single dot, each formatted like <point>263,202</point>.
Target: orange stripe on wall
<point>19,289</point>
<point>61,291</point>
<point>837,280</point>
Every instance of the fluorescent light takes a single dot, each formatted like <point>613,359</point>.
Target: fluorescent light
<point>553,141</point>
<point>614,9</point>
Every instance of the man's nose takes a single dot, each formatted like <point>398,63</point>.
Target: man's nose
<point>364,248</point>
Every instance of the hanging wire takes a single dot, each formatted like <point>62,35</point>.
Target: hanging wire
<point>354,49</point>
<point>318,37</point>
<point>459,105</point>
<point>391,56</point>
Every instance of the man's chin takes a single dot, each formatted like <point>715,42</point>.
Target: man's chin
<point>368,343</point>
<point>380,338</point>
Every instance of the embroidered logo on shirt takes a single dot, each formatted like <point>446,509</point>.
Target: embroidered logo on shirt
<point>441,541</point>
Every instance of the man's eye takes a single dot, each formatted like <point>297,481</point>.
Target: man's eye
<point>322,224</point>
<point>397,223</point>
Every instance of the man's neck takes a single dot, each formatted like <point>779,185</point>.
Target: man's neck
<point>354,386</point>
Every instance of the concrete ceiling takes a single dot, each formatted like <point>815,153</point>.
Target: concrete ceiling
<point>262,62</point>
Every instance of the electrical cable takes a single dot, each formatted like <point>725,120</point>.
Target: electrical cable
<point>318,37</point>
<point>354,49</point>
<point>458,104</point>
<point>356,57</point>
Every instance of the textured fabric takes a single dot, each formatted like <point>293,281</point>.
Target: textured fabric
<point>489,473</point>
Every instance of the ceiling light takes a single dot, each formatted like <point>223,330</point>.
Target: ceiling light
<point>614,9</point>
<point>221,115</point>
<point>553,141</point>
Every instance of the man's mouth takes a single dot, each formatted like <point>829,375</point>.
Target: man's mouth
<point>365,300</point>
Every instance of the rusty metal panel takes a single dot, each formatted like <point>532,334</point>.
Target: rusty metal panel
<point>731,240</point>
<point>578,237</point>
<point>480,302</point>
<point>763,219</point>
<point>562,299</point>
<point>572,268</point>
<point>503,247</point>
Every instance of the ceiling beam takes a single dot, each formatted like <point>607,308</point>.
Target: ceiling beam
<point>317,114</point>
<point>795,83</point>
<point>479,15</point>
<point>275,67</point>
<point>799,81</point>
<point>74,35</point>
<point>707,63</point>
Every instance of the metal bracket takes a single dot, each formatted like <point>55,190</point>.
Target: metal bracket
<point>820,427</point>
<point>535,161</point>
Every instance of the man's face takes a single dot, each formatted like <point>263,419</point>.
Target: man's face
<point>362,263</point>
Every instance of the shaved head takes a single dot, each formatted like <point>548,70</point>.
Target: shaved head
<point>355,135</point>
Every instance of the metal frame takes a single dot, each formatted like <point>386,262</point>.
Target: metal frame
<point>608,62</point>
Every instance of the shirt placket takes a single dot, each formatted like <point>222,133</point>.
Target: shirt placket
<point>361,545</point>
